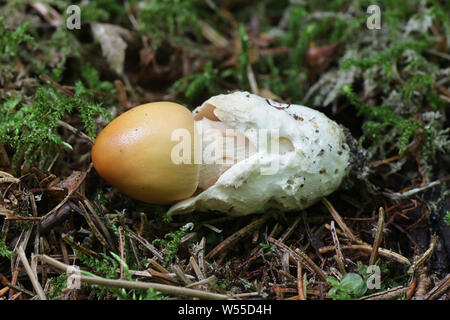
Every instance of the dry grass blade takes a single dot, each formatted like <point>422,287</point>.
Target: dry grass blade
<point>69,194</point>
<point>340,264</point>
<point>99,222</point>
<point>64,251</point>
<point>420,260</point>
<point>22,218</point>
<point>411,289</point>
<point>203,282</point>
<point>291,229</point>
<point>339,257</point>
<point>440,289</point>
<point>228,242</point>
<point>387,295</point>
<point>165,289</point>
<point>252,80</point>
<point>73,188</point>
<point>196,268</point>
<point>409,193</point>
<point>9,180</point>
<point>22,243</point>
<point>343,234</point>
<point>135,253</point>
<point>300,256</point>
<point>3,291</point>
<point>162,277</point>
<point>382,252</point>
<point>144,242</point>
<point>201,255</point>
<point>14,287</point>
<point>93,227</point>
<point>157,266</point>
<point>301,293</point>
<point>79,247</point>
<point>4,174</point>
<point>339,219</point>
<point>34,281</point>
<point>212,35</point>
<point>378,237</point>
<point>6,212</point>
<point>181,275</point>
<point>122,251</point>
<point>74,130</point>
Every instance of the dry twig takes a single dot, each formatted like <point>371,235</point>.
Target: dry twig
<point>339,220</point>
<point>387,295</point>
<point>228,242</point>
<point>29,271</point>
<point>301,292</point>
<point>440,289</point>
<point>139,285</point>
<point>383,252</point>
<point>300,256</point>
<point>378,237</point>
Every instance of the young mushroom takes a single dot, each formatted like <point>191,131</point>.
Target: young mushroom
<point>133,153</point>
<point>237,153</point>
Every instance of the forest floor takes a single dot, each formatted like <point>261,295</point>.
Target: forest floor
<point>388,84</point>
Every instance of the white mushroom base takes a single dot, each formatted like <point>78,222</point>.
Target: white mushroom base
<point>312,159</point>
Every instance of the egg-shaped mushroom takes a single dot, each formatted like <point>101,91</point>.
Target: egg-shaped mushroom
<point>309,162</point>
<point>308,159</point>
<point>134,153</point>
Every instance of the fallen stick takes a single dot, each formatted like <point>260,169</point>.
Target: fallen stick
<point>339,220</point>
<point>165,289</point>
<point>298,255</point>
<point>378,237</point>
<point>228,242</point>
<point>382,252</point>
<point>34,281</point>
<point>439,290</point>
<point>386,295</point>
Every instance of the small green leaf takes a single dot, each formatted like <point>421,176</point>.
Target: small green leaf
<point>353,284</point>
<point>333,282</point>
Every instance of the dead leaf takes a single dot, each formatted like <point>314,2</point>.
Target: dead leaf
<point>113,45</point>
<point>48,13</point>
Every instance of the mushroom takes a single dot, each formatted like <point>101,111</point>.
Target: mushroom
<point>303,158</point>
<point>133,153</point>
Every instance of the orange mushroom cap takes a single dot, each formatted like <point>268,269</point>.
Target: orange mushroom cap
<point>133,153</point>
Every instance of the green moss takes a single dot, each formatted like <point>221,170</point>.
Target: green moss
<point>91,77</point>
<point>447,218</point>
<point>386,57</point>
<point>57,284</point>
<point>196,84</point>
<point>4,252</point>
<point>102,11</point>
<point>382,118</point>
<point>32,129</point>
<point>10,40</point>
<point>171,246</point>
<point>158,19</point>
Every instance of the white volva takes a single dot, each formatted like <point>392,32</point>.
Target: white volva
<point>311,161</point>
